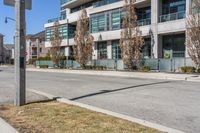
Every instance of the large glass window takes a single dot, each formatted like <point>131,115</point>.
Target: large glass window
<point>49,34</point>
<point>63,31</point>
<point>146,50</point>
<point>101,23</point>
<point>116,51</point>
<point>112,20</point>
<point>173,6</point>
<point>99,3</point>
<point>116,20</point>
<point>174,46</point>
<point>63,15</point>
<point>173,10</point>
<point>102,50</point>
<point>98,23</point>
<point>71,30</point>
<point>144,16</point>
<point>66,31</point>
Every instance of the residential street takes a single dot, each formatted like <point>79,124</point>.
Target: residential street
<point>175,104</point>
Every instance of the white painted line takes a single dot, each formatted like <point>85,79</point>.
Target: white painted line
<point>6,128</point>
<point>125,117</point>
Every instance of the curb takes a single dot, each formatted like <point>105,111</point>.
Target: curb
<point>6,128</point>
<point>121,116</point>
<point>162,76</point>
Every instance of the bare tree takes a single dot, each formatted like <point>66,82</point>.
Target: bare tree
<point>193,33</point>
<point>55,44</point>
<point>131,41</point>
<point>83,40</point>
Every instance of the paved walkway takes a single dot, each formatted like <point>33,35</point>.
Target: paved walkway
<point>150,75</point>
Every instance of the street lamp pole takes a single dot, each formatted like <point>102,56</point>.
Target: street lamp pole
<point>20,58</point>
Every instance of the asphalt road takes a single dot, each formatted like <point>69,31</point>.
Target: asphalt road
<point>174,104</point>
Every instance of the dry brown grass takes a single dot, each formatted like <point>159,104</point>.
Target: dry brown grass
<point>54,117</point>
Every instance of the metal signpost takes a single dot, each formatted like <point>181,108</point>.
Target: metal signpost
<point>20,48</point>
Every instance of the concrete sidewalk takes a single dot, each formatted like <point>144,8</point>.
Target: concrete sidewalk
<point>6,128</point>
<point>150,75</point>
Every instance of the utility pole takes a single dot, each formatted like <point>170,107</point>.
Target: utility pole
<point>20,58</point>
<point>20,48</point>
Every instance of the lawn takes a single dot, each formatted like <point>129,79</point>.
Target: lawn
<point>55,117</point>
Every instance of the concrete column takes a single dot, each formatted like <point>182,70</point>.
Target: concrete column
<point>38,47</point>
<point>67,51</point>
<point>154,26</point>
<point>188,6</point>
<point>109,50</point>
<point>188,11</point>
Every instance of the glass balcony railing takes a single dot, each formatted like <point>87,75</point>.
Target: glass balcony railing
<point>56,19</point>
<point>144,22</point>
<point>104,2</point>
<point>172,16</point>
<point>62,2</point>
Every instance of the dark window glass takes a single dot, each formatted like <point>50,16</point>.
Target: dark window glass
<point>116,51</point>
<point>102,50</point>
<point>174,46</point>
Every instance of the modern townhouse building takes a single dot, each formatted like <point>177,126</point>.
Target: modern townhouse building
<point>35,46</point>
<point>162,23</point>
<point>9,51</point>
<point>6,52</point>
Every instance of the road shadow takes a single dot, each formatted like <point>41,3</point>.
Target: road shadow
<point>116,90</point>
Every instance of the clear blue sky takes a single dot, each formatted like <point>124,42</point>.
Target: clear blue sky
<point>35,19</point>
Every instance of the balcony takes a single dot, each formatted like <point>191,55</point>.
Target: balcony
<point>56,19</point>
<point>104,2</point>
<point>73,3</point>
<point>144,22</point>
<point>172,16</point>
<point>64,1</point>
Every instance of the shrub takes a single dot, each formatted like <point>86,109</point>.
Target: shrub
<point>145,68</point>
<point>90,67</point>
<point>188,69</point>
<point>198,70</point>
<point>43,66</point>
<point>32,61</point>
<point>46,58</point>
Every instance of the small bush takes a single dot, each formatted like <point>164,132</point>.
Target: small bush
<point>46,58</point>
<point>188,69</point>
<point>145,68</point>
<point>198,70</point>
<point>100,68</point>
<point>32,61</point>
<point>43,66</point>
<point>90,67</point>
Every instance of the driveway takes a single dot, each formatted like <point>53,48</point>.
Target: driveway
<point>175,104</point>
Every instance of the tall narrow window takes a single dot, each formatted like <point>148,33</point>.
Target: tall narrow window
<point>115,20</point>
<point>94,24</point>
<point>102,50</point>
<point>101,21</point>
<point>116,51</point>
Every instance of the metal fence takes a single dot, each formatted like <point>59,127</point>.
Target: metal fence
<point>163,65</point>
